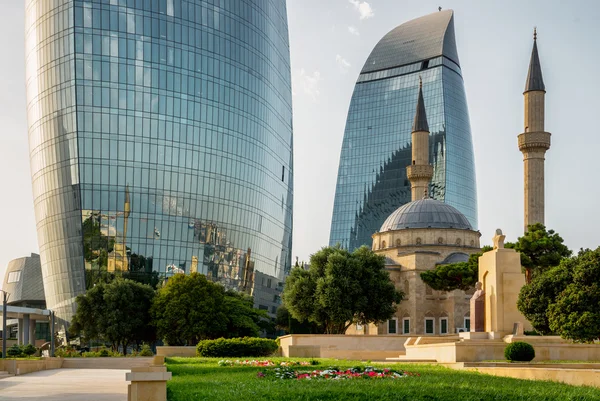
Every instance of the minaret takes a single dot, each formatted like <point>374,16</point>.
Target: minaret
<point>420,172</point>
<point>126,214</point>
<point>534,141</point>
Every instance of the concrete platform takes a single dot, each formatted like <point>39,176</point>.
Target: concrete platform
<point>66,385</point>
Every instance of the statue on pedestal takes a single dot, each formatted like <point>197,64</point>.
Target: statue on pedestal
<point>478,309</point>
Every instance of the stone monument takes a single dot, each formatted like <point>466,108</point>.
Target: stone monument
<point>501,277</point>
<point>477,309</point>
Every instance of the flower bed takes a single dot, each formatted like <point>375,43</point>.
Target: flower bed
<point>265,363</point>
<point>334,373</point>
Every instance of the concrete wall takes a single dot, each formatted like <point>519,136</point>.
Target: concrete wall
<point>546,349</point>
<point>576,377</point>
<point>188,352</point>
<point>342,346</point>
<point>18,367</point>
<point>106,363</point>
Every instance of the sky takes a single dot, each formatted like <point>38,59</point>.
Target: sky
<point>329,42</point>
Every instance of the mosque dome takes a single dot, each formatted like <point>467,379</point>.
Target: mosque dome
<point>426,213</point>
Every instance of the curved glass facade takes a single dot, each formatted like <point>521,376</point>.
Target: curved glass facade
<point>376,149</point>
<point>160,140</point>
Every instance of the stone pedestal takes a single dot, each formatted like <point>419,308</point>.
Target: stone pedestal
<point>148,383</point>
<point>500,273</point>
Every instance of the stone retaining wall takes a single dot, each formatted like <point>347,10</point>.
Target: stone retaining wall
<point>583,376</point>
<point>106,363</point>
<point>342,346</point>
<point>21,367</point>
<point>168,351</point>
<point>546,349</point>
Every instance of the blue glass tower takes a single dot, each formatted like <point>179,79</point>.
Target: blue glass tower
<point>160,139</point>
<point>376,149</point>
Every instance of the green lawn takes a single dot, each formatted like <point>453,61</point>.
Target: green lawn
<point>203,379</point>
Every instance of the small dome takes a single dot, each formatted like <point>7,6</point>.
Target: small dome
<point>426,213</point>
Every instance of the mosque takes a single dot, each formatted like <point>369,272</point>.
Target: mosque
<point>425,233</point>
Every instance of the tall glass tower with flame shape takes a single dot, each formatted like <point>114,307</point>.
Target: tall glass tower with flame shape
<point>376,149</point>
<point>160,136</point>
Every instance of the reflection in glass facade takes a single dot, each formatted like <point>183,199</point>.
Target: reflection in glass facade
<point>160,139</point>
<point>376,149</point>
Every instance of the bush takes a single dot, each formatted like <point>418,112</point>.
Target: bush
<point>146,351</point>
<point>519,351</point>
<point>237,347</point>
<point>14,352</point>
<point>65,353</point>
<point>29,350</point>
<point>104,353</point>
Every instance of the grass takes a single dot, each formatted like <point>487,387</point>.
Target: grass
<point>203,379</point>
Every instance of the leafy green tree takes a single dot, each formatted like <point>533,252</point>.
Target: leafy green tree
<point>576,313</point>
<point>341,288</point>
<point>243,320</point>
<point>455,276</point>
<point>536,297</point>
<point>540,249</point>
<point>285,321</point>
<point>189,308</point>
<point>118,312</point>
<point>87,321</point>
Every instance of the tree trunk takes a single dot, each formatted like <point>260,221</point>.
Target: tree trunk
<point>527,275</point>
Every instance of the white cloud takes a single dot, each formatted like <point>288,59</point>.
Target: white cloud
<point>342,63</point>
<point>309,84</point>
<point>363,8</point>
<point>353,31</point>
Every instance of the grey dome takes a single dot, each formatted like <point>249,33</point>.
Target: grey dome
<point>426,213</point>
<point>416,40</point>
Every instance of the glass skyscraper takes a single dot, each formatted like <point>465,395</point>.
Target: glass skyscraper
<point>376,149</point>
<point>160,137</point>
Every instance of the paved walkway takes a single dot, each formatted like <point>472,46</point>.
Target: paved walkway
<point>66,385</point>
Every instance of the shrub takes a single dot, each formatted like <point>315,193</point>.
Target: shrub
<point>519,351</point>
<point>146,351</point>
<point>29,350</point>
<point>14,352</point>
<point>66,353</point>
<point>104,353</point>
<point>237,347</point>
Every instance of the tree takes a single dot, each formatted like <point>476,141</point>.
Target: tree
<point>243,320</point>
<point>341,288</point>
<point>189,308</point>
<point>286,322</point>
<point>87,321</point>
<point>536,297</point>
<point>118,312</point>
<point>540,249</point>
<point>576,313</point>
<point>29,349</point>
<point>455,276</point>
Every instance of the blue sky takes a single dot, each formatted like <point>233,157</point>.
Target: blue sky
<point>330,41</point>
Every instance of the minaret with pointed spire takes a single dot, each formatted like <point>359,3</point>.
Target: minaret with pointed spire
<point>534,141</point>
<point>420,172</point>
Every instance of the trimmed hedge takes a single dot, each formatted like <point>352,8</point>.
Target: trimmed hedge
<point>519,351</point>
<point>237,347</point>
